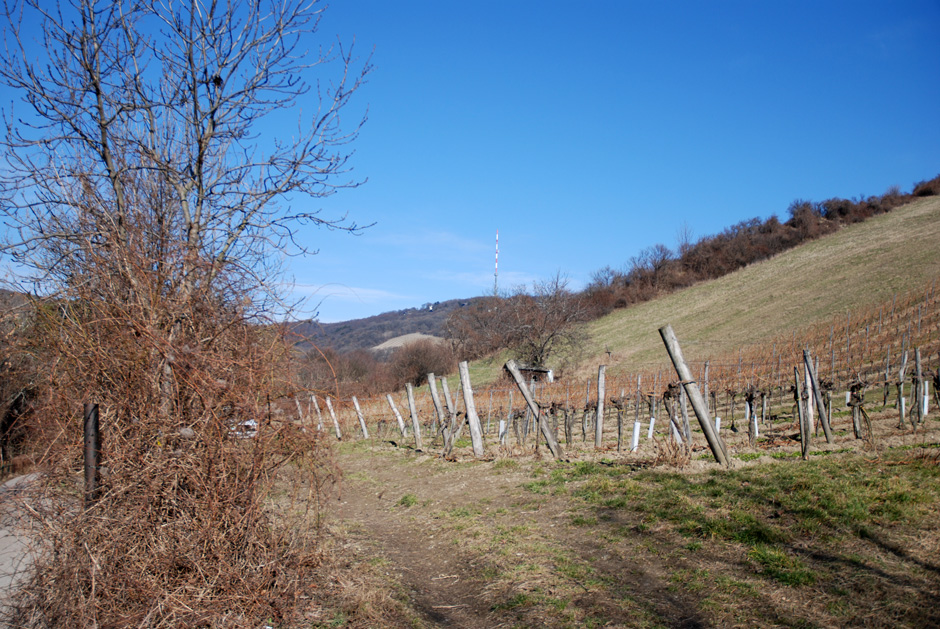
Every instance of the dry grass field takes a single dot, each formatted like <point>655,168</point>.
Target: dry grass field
<point>660,537</point>
<point>853,269</point>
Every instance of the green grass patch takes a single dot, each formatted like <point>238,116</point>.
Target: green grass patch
<point>408,500</point>
<point>782,567</point>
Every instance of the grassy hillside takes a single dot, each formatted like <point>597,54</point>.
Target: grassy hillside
<point>855,268</point>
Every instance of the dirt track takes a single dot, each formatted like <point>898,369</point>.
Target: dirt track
<point>454,574</point>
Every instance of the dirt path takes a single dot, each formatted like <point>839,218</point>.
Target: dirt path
<point>469,545</point>
<point>442,586</point>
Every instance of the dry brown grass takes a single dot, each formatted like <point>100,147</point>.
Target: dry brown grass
<point>859,266</point>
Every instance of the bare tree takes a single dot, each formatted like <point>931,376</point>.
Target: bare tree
<point>547,322</point>
<point>535,325</point>
<point>171,93</point>
<point>143,197</point>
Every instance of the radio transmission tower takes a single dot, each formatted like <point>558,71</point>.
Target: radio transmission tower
<point>496,269</point>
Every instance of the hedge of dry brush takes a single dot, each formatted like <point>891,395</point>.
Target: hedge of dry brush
<point>196,524</point>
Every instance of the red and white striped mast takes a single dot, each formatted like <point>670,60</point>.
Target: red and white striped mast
<point>496,270</point>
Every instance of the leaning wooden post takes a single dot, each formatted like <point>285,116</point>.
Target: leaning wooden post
<point>476,432</point>
<point>300,412</point>
<point>401,422</point>
<point>513,369</point>
<point>329,407</point>
<point>362,420</point>
<point>695,396</point>
<point>316,407</point>
<point>92,440</point>
<point>601,391</point>
<point>448,400</point>
<point>820,403</point>
<point>436,399</point>
<point>415,424</point>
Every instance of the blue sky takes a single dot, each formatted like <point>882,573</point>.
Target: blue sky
<point>585,132</point>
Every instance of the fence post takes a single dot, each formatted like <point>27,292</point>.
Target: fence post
<point>92,454</point>
<point>695,396</point>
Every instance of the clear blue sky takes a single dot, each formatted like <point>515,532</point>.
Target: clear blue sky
<point>587,131</point>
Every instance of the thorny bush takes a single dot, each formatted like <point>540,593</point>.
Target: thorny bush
<point>186,532</point>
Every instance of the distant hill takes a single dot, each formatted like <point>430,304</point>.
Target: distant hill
<point>371,332</point>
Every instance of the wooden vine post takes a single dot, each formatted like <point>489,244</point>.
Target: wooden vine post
<point>695,396</point>
<point>401,422</point>
<point>918,415</point>
<point>601,391</point>
<point>513,369</point>
<point>316,407</point>
<point>801,398</point>
<point>436,399</point>
<point>820,403</point>
<point>453,433</point>
<point>476,431</point>
<point>329,407</point>
<point>362,419</point>
<point>415,424</point>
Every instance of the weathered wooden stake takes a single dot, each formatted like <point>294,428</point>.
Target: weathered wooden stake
<point>476,432</point>
<point>316,407</point>
<point>601,392</point>
<point>695,396</point>
<point>902,411</point>
<point>329,407</point>
<point>513,369</point>
<point>92,439</point>
<point>415,424</point>
<point>751,423</point>
<point>706,396</point>
<point>362,420</point>
<point>300,412</point>
<point>918,415</point>
<point>684,405</point>
<point>817,393</point>
<point>438,409</point>
<point>401,422</point>
<point>804,426</point>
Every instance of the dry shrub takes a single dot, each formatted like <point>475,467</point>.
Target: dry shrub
<point>184,532</point>
<point>672,454</point>
<point>411,363</point>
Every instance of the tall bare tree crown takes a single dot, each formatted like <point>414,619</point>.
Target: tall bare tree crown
<point>151,114</point>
